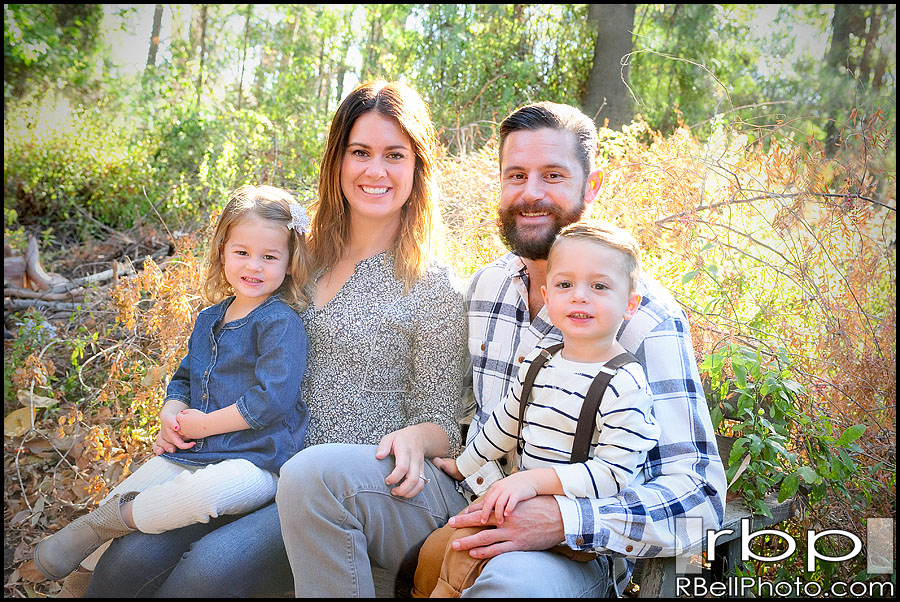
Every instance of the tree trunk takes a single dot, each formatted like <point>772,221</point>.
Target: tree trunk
<point>846,20</point>
<point>244,55</point>
<point>865,64</point>
<point>842,25</point>
<point>607,98</point>
<point>370,63</point>
<point>195,31</point>
<point>201,49</point>
<point>154,35</point>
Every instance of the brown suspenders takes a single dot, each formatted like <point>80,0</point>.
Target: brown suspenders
<point>586,419</point>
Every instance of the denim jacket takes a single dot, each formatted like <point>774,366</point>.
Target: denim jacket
<point>256,362</point>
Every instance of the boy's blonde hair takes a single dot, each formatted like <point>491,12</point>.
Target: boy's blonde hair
<point>609,236</point>
<point>420,235</point>
<point>271,204</point>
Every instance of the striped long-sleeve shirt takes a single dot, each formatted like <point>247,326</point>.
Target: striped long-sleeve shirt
<point>625,429</point>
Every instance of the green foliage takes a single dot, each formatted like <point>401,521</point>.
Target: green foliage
<point>782,441</point>
<point>70,165</point>
<point>758,399</point>
<point>49,46</point>
<point>755,64</point>
<point>478,62</point>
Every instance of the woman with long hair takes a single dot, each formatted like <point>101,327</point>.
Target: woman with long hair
<point>387,354</point>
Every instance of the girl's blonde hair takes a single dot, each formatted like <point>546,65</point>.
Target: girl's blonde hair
<point>268,203</point>
<point>421,230</point>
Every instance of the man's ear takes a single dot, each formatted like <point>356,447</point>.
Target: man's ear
<point>595,179</point>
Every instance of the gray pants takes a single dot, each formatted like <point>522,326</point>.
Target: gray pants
<point>339,520</point>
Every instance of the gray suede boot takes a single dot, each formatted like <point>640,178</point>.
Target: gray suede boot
<point>61,553</point>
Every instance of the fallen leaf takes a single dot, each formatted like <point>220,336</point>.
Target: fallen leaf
<point>21,553</point>
<point>18,422</point>
<point>27,398</point>
<point>20,516</point>
<point>744,463</point>
<point>81,489</point>
<point>153,376</point>
<point>29,572</point>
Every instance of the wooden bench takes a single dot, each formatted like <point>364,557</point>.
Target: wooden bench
<point>657,577</point>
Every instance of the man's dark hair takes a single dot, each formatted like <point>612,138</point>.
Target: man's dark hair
<point>558,117</point>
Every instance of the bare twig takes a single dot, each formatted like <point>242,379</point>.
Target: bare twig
<point>17,304</point>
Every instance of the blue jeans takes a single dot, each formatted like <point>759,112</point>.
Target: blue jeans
<point>227,557</point>
<point>340,521</point>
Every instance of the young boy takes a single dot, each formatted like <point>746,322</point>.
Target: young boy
<point>591,274</point>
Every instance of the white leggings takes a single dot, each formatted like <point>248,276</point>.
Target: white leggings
<point>175,495</point>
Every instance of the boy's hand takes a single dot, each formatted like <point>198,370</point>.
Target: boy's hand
<point>191,424</point>
<point>503,495</point>
<point>448,465</point>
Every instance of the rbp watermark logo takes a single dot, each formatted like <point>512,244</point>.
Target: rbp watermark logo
<point>879,559</point>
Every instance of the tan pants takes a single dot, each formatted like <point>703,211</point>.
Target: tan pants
<point>443,572</point>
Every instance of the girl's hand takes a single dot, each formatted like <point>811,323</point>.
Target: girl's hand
<point>408,448</point>
<point>191,423</point>
<point>503,495</point>
<point>169,439</point>
<point>448,465</point>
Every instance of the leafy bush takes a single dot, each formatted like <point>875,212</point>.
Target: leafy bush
<point>69,165</point>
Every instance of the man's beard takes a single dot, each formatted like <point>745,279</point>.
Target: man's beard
<point>535,245</point>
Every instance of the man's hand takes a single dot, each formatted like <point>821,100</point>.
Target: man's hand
<point>536,524</point>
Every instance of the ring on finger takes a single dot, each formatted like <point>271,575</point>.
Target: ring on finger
<point>424,478</point>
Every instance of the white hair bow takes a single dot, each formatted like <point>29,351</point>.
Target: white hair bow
<point>299,219</point>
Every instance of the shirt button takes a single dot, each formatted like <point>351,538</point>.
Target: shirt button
<point>579,541</point>
<point>479,480</point>
<point>629,548</point>
<point>521,358</point>
<point>503,461</point>
<point>482,346</point>
<point>204,396</point>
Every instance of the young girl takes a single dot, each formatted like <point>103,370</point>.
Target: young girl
<point>233,407</point>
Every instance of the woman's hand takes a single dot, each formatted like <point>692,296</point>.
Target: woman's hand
<point>409,447</point>
<point>169,439</point>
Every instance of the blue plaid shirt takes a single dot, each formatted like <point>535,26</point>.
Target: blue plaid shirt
<point>684,476</point>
